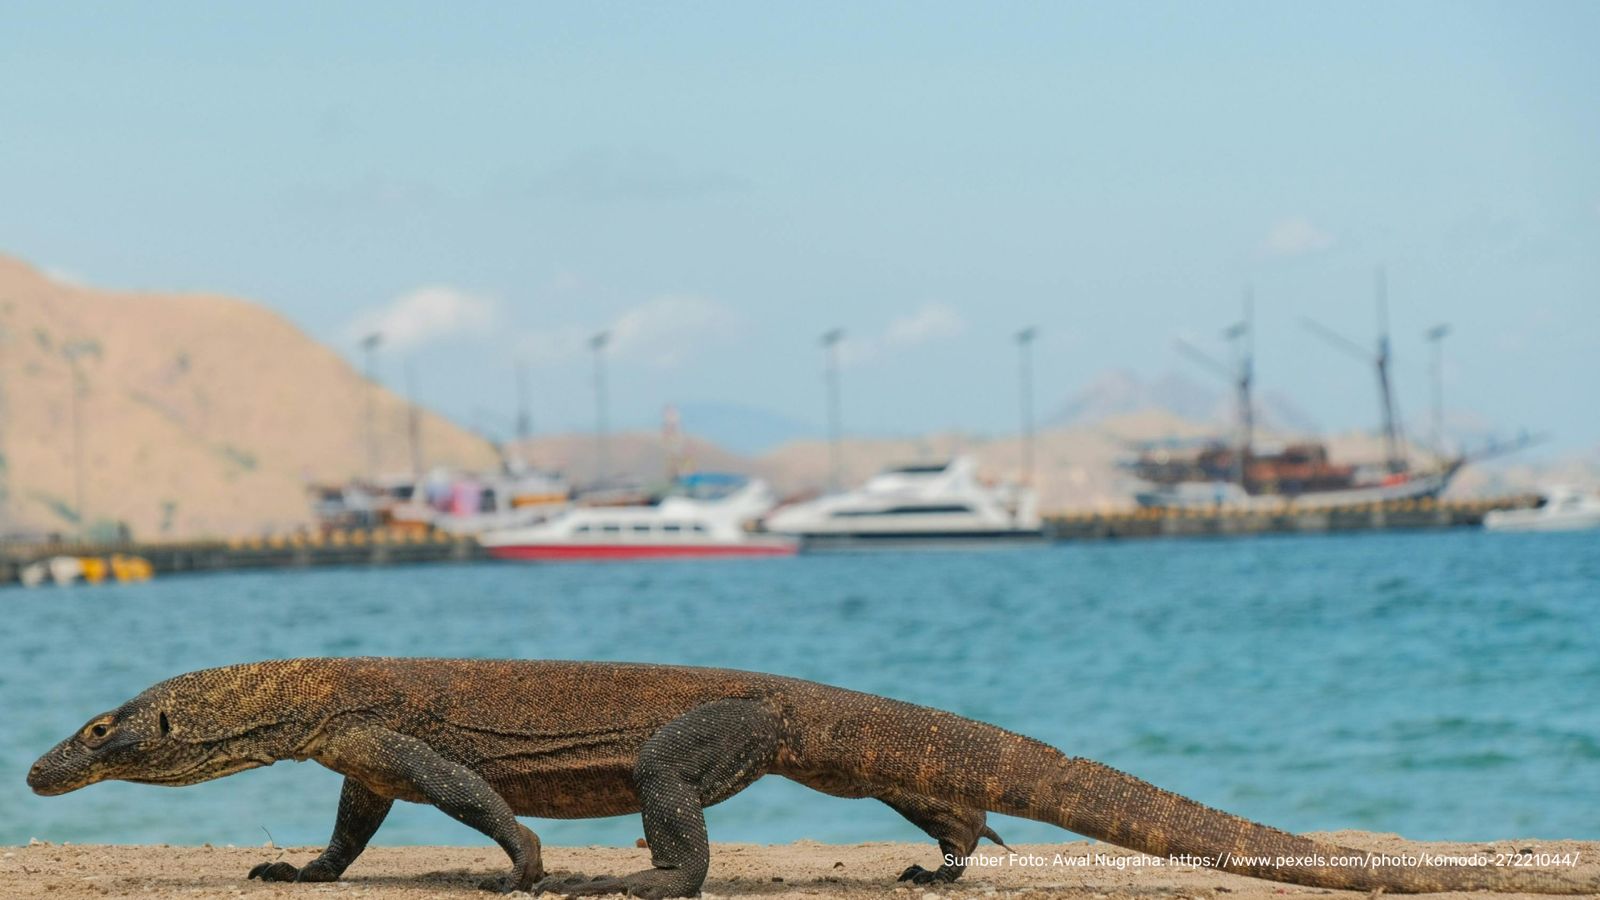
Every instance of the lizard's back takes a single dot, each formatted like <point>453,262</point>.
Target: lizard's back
<point>556,739</point>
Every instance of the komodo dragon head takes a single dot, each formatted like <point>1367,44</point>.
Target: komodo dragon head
<point>183,731</point>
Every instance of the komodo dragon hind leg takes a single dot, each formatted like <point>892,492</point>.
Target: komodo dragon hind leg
<point>360,813</point>
<point>956,828</point>
<point>701,758</point>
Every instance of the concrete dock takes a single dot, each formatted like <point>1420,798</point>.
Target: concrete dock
<point>355,548</point>
<point>399,547</point>
<point>1219,521</point>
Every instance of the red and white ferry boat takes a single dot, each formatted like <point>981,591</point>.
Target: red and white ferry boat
<point>708,516</point>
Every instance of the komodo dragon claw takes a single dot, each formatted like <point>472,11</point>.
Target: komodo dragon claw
<point>282,871</point>
<point>581,886</point>
<point>918,875</point>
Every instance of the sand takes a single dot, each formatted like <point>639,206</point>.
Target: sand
<point>804,869</point>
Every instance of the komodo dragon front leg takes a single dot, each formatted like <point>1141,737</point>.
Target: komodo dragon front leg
<point>360,813</point>
<point>699,759</point>
<point>381,766</point>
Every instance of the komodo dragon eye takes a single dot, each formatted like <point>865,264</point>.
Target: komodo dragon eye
<point>96,732</point>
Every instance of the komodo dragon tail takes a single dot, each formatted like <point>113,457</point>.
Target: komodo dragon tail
<point>957,759</point>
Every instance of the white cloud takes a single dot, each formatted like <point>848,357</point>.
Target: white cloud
<point>664,332</point>
<point>65,277</point>
<point>425,315</point>
<point>932,322</point>
<point>1296,236</point>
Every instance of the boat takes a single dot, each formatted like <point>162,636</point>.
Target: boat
<point>1299,475</point>
<point>1562,508</point>
<point>448,500</point>
<point>1243,473</point>
<point>914,503</point>
<point>462,503</point>
<point>706,515</point>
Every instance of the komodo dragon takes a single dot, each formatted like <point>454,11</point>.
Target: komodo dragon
<point>486,741</point>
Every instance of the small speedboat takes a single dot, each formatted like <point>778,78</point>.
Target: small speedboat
<point>704,517</point>
<point>1562,508</point>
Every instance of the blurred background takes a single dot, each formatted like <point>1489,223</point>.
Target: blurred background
<point>206,211</point>
<point>342,285</point>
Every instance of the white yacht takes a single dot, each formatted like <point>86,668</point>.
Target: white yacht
<point>705,516</point>
<point>1559,509</point>
<point>915,503</point>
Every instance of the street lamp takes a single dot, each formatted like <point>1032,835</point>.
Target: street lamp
<point>602,462</point>
<point>1025,371</point>
<point>1436,336</point>
<point>830,343</point>
<point>369,348</point>
<point>73,352</point>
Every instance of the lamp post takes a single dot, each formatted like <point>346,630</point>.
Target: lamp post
<point>1025,383</point>
<point>413,421</point>
<point>73,352</point>
<point>369,349</point>
<point>1436,336</point>
<point>830,343</point>
<point>601,451</point>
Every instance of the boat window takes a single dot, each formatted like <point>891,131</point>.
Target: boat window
<point>611,528</point>
<point>918,469</point>
<point>697,528</point>
<point>902,511</point>
<point>582,529</point>
<point>641,527</point>
<point>671,527</point>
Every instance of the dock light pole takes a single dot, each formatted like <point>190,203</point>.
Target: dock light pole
<point>602,463</point>
<point>830,344</point>
<point>369,350</point>
<point>524,415</point>
<point>73,352</point>
<point>413,421</point>
<point>1025,383</point>
<point>1436,336</point>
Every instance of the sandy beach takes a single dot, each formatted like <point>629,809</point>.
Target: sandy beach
<point>803,869</point>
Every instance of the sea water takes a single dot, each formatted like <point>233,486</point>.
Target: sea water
<point>1440,685</point>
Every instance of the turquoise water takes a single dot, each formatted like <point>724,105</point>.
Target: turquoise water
<point>1439,685</point>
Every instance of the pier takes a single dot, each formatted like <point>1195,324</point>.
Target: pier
<point>394,546</point>
<point>1172,522</point>
<point>376,547</point>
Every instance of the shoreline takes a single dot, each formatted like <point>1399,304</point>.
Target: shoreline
<point>1081,869</point>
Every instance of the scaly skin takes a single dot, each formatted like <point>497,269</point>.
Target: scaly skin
<point>486,741</point>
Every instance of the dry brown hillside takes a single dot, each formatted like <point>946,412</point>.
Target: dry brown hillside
<point>201,415</point>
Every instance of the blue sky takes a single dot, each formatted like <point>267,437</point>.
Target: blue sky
<point>720,183</point>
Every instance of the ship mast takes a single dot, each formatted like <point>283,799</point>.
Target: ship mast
<point>1242,373</point>
<point>1243,335</point>
<point>1394,459</point>
<point>1391,427</point>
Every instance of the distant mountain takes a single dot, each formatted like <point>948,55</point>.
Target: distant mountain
<point>1120,392</point>
<point>742,429</point>
<point>197,415</point>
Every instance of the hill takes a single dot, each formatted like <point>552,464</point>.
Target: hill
<point>198,415</point>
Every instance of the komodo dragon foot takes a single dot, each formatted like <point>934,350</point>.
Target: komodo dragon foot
<point>651,884</point>
<point>282,871</point>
